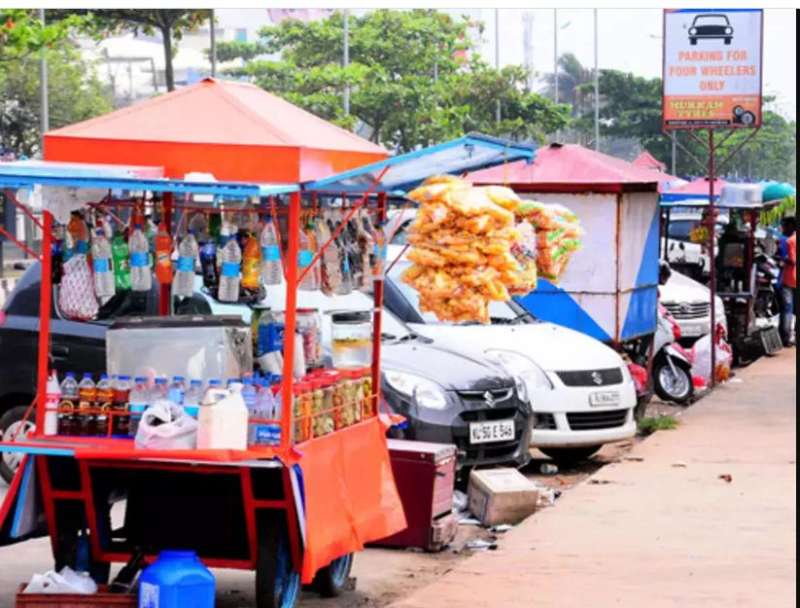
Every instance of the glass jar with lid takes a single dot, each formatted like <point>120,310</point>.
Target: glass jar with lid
<point>309,326</point>
<point>351,336</point>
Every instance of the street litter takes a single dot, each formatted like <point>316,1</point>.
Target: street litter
<point>480,545</point>
<point>499,529</point>
<point>64,581</point>
<point>726,477</point>
<point>501,496</point>
<point>600,482</point>
<point>548,468</point>
<point>679,465</point>
<point>547,495</point>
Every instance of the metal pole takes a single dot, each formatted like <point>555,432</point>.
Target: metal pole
<point>44,105</point>
<point>346,59</point>
<point>596,89</point>
<point>290,321</point>
<point>498,111</point>
<point>712,270</point>
<point>45,304</point>
<point>555,54</point>
<point>213,41</point>
<point>674,135</point>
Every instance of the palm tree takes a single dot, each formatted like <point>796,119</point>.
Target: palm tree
<point>571,74</point>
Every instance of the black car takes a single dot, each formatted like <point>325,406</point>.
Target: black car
<point>709,26</point>
<point>469,393</point>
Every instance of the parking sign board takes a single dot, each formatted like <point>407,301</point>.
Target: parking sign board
<point>712,68</point>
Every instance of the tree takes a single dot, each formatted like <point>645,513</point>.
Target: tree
<point>571,76</point>
<point>22,33</point>
<point>410,82</point>
<point>170,23</point>
<point>74,94</point>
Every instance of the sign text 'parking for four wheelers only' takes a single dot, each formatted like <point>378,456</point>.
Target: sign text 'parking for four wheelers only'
<point>712,68</point>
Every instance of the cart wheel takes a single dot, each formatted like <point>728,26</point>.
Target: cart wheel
<point>277,585</point>
<point>330,581</point>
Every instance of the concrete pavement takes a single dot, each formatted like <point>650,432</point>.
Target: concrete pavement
<point>666,530</point>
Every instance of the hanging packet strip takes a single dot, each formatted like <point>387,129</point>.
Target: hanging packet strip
<point>230,269</point>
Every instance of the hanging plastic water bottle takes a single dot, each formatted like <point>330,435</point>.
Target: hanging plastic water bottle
<point>141,278</point>
<point>208,262</point>
<point>231,259</point>
<point>183,283</point>
<point>159,390</point>
<point>275,411</point>
<point>177,390</point>
<point>250,397</point>
<point>305,255</point>
<point>271,269</point>
<point>193,397</point>
<point>101,262</point>
<point>139,400</point>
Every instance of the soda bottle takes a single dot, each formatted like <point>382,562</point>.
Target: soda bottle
<point>51,403</point>
<point>271,269</point>
<point>177,390</point>
<point>139,399</point>
<point>208,262</point>
<point>104,399</point>
<point>122,266</point>
<point>308,246</point>
<point>183,283</point>
<point>251,264</point>
<point>231,258</point>
<point>141,278</point>
<point>87,397</point>
<point>193,397</point>
<point>163,247</point>
<point>120,419</point>
<point>101,262</point>
<point>69,405</point>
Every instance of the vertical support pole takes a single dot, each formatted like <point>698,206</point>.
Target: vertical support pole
<point>165,293</point>
<point>45,304</point>
<point>346,57</point>
<point>596,88</point>
<point>212,34</point>
<point>711,221</point>
<point>377,320</point>
<point>290,323</point>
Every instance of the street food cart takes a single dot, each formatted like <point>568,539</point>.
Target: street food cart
<point>295,511</point>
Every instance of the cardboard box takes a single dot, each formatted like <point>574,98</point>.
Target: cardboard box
<point>501,496</point>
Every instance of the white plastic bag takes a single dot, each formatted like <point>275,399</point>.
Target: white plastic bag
<point>702,359</point>
<point>166,426</point>
<point>65,581</point>
<point>76,298</point>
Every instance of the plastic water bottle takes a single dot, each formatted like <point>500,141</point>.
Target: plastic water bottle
<point>139,400</point>
<point>193,397</point>
<point>183,283</point>
<point>101,262</point>
<point>250,397</point>
<point>159,390</point>
<point>141,278</point>
<point>51,403</point>
<point>305,255</point>
<point>177,390</point>
<point>122,266</point>
<point>271,269</point>
<point>69,405</point>
<point>231,259</point>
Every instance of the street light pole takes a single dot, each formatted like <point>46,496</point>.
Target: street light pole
<point>498,110</point>
<point>346,59</point>
<point>44,118</point>
<point>596,90</point>
<point>213,41</point>
<point>555,54</point>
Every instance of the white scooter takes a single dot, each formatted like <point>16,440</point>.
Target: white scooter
<point>672,364</point>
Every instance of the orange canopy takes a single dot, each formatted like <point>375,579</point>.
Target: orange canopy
<point>233,130</point>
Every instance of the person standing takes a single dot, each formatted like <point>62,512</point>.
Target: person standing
<point>788,254</point>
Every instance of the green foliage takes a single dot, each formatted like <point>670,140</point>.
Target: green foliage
<point>410,79</point>
<point>573,79</point>
<point>74,94</point>
<point>650,425</point>
<point>237,49</point>
<point>773,215</point>
<point>22,33</point>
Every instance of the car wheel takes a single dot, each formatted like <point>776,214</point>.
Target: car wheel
<point>672,385</point>
<point>571,455</point>
<point>11,426</point>
<point>692,41</point>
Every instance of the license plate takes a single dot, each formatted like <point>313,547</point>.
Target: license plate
<point>691,331</point>
<point>604,398</point>
<point>490,432</point>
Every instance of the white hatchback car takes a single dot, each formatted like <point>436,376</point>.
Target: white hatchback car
<point>581,391</point>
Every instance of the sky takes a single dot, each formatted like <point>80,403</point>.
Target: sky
<point>630,40</point>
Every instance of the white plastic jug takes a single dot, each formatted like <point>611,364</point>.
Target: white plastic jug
<point>222,420</point>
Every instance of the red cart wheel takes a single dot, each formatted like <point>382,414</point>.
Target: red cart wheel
<point>277,584</point>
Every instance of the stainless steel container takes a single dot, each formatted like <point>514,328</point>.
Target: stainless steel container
<point>195,346</point>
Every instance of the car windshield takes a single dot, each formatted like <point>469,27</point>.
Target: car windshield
<point>499,312</point>
<point>718,20</point>
<point>680,229</point>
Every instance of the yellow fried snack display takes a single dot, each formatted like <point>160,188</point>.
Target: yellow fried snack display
<point>466,250</point>
<point>558,236</point>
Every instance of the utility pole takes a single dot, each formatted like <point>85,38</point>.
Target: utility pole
<point>213,41</point>
<point>44,123</point>
<point>555,54</point>
<point>527,43</point>
<point>498,112</point>
<point>346,59</point>
<point>596,90</point>
<point>674,135</point>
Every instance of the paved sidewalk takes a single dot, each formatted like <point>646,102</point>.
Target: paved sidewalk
<point>664,531</point>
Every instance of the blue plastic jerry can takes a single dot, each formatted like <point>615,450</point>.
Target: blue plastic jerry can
<point>177,579</point>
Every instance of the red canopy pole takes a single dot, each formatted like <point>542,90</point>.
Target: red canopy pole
<point>45,304</point>
<point>166,290</point>
<point>378,311</point>
<point>290,264</point>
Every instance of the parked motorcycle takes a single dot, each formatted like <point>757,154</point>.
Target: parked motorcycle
<point>768,272</point>
<point>672,364</point>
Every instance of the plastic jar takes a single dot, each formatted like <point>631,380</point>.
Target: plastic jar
<point>326,421</point>
<point>358,394</point>
<point>309,326</point>
<point>351,335</point>
<point>317,426</point>
<point>366,385</point>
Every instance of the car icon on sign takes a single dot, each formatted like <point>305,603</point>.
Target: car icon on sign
<point>710,25</point>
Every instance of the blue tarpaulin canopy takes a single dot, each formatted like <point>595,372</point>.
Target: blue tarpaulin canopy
<point>406,171</point>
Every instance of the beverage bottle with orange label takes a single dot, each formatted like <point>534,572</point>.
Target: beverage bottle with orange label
<point>68,407</point>
<point>103,400</point>
<point>163,251</point>
<point>251,264</point>
<point>87,397</point>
